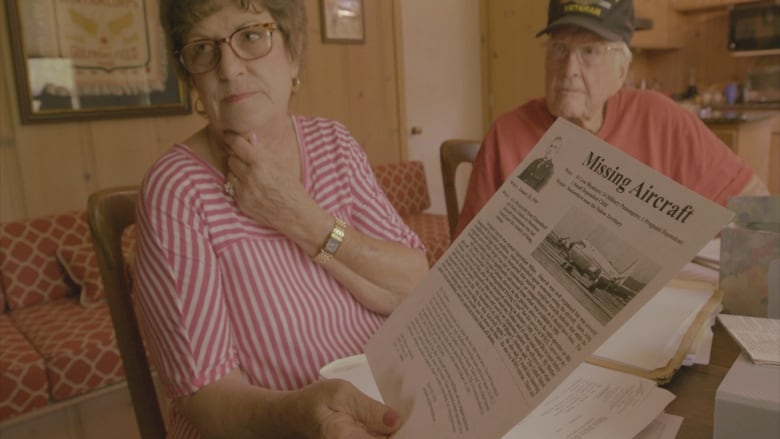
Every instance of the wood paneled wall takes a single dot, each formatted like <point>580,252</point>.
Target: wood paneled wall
<point>513,68</point>
<point>53,167</point>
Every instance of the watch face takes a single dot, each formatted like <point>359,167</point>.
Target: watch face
<point>331,246</point>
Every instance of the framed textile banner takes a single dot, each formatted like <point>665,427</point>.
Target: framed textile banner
<point>342,21</point>
<point>91,59</point>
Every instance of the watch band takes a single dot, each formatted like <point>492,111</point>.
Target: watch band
<point>332,244</point>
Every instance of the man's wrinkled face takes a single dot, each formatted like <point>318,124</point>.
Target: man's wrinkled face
<point>582,70</point>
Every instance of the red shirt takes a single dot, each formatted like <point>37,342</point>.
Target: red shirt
<point>647,125</point>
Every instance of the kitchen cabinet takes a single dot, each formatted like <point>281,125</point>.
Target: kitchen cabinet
<point>756,139</point>
<point>666,32</point>
<point>669,20</point>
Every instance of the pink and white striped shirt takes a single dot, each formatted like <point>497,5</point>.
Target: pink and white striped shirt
<point>216,291</point>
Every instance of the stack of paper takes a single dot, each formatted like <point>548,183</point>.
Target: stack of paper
<point>709,255</point>
<point>670,330</point>
<point>593,402</point>
<point>758,337</point>
<point>705,266</point>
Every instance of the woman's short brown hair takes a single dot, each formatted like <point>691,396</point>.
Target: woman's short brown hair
<point>179,16</point>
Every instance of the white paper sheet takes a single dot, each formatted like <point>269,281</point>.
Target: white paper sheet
<point>699,273</point>
<point>665,426</point>
<point>650,338</point>
<point>592,403</point>
<point>759,337</point>
<point>534,284</point>
<point>595,403</point>
<point>710,253</point>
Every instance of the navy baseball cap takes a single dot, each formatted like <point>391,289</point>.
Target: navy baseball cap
<point>611,19</point>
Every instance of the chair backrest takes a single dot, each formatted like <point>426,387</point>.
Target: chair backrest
<point>109,213</point>
<point>452,153</point>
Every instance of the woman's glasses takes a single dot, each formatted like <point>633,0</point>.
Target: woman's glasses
<point>248,43</point>
<point>589,54</point>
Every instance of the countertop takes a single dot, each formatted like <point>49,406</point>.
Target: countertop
<point>750,106</point>
<point>720,117</point>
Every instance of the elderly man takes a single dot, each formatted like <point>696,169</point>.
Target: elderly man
<point>587,60</point>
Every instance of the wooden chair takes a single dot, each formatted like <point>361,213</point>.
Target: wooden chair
<point>109,213</point>
<point>452,153</point>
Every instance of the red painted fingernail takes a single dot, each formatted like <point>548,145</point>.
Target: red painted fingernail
<point>391,418</point>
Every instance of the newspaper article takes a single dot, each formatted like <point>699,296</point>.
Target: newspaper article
<point>537,281</point>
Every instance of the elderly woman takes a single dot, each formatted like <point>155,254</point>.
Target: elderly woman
<point>266,248</point>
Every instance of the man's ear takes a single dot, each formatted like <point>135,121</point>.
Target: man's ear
<point>623,67</point>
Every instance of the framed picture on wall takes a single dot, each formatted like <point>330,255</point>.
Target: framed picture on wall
<point>342,21</point>
<point>91,60</point>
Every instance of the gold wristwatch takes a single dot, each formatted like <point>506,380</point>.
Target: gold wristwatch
<point>333,242</point>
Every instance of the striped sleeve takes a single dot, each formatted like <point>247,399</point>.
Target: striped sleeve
<point>339,163</point>
<point>178,289</point>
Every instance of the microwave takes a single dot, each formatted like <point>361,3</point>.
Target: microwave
<point>754,28</point>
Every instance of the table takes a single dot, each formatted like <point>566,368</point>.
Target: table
<point>695,387</point>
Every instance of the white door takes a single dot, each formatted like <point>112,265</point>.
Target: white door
<point>441,47</point>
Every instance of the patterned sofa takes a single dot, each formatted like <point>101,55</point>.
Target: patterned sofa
<point>405,185</point>
<point>56,336</point>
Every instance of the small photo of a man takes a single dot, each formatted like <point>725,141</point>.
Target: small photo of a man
<point>539,171</point>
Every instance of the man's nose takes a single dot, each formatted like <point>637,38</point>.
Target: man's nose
<point>571,62</point>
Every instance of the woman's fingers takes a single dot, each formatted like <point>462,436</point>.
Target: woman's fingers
<point>240,146</point>
<point>354,414</point>
<point>237,167</point>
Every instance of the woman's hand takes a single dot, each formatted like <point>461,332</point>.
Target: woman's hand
<point>379,274</point>
<point>328,409</point>
<point>267,181</point>
<point>335,409</point>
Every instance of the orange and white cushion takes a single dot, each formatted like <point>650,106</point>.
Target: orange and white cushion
<point>23,384</point>
<point>434,231</point>
<point>29,270</point>
<point>78,345</point>
<point>405,185</point>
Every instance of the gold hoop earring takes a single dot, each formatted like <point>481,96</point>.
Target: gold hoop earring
<point>296,84</point>
<point>199,107</point>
